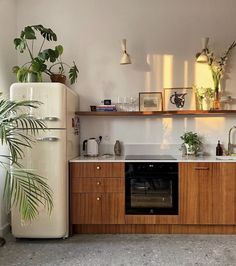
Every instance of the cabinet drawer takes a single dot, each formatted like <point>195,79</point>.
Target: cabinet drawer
<point>80,185</point>
<point>97,169</point>
<point>98,208</point>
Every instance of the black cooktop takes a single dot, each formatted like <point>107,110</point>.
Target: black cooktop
<point>150,157</point>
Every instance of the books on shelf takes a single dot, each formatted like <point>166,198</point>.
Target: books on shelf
<point>105,108</point>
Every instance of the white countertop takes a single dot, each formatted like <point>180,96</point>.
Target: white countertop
<point>178,158</point>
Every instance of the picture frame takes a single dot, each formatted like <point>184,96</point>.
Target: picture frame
<point>179,99</point>
<point>150,101</point>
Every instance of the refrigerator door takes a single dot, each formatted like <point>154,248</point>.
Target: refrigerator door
<point>48,159</point>
<point>53,98</point>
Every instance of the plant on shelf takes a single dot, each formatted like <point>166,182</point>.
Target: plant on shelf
<point>23,189</point>
<point>217,67</point>
<point>205,97</point>
<point>192,142</point>
<point>60,75</point>
<point>32,70</point>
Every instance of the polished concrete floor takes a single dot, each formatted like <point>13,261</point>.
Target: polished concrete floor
<point>123,250</point>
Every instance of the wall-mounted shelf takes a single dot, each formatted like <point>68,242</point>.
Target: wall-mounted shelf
<point>161,113</point>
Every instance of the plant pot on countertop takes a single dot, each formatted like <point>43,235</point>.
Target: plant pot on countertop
<point>189,149</point>
<point>58,78</point>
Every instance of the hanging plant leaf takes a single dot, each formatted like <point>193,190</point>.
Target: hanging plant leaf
<point>15,69</point>
<point>59,49</point>
<point>38,65</point>
<point>73,73</point>
<point>21,74</point>
<point>29,33</point>
<point>43,55</point>
<point>48,34</point>
<point>19,44</point>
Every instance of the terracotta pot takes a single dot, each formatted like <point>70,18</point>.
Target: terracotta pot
<point>58,78</point>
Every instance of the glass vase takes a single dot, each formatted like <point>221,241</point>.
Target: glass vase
<point>216,101</point>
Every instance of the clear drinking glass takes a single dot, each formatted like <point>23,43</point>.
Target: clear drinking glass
<point>126,104</point>
<point>119,104</point>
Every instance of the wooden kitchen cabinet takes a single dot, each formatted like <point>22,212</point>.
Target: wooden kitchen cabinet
<point>97,170</point>
<point>208,193</point>
<point>97,193</point>
<point>98,208</point>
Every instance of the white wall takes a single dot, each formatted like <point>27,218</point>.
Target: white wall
<point>163,37</point>
<point>7,60</point>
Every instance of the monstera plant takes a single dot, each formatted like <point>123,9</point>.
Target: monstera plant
<point>39,58</point>
<point>23,188</point>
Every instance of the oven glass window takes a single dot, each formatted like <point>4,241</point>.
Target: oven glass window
<point>151,188</point>
<point>151,193</point>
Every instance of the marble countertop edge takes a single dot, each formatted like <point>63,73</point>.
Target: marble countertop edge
<point>177,158</point>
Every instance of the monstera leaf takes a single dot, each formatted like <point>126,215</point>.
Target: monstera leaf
<point>73,73</point>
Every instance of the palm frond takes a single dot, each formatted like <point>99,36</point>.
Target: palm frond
<point>29,191</point>
<point>23,188</point>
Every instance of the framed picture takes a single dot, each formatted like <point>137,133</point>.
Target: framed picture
<point>150,101</point>
<point>179,99</point>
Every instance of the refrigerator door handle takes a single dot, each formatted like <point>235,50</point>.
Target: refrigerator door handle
<point>51,139</point>
<point>46,118</point>
<point>50,118</point>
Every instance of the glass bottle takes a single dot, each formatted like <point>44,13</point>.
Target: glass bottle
<point>117,148</point>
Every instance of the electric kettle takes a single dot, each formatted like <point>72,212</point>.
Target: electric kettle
<point>90,146</point>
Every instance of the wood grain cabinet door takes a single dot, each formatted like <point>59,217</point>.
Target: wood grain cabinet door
<point>207,193</point>
<point>98,208</point>
<point>97,184</point>
<point>99,169</point>
<point>87,208</point>
<point>190,175</point>
<point>223,189</point>
<point>113,208</point>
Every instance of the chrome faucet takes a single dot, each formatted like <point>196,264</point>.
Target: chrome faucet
<point>230,145</point>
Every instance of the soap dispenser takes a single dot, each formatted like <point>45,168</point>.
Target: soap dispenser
<point>219,150</point>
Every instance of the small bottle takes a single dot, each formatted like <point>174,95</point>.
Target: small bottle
<point>117,148</point>
<point>219,150</point>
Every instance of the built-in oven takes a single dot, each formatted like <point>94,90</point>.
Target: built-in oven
<point>151,188</point>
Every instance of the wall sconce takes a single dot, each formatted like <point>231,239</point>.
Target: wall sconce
<point>202,57</point>
<point>125,59</point>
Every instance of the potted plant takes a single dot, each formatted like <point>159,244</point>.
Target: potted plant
<point>23,188</point>
<point>60,75</point>
<point>32,70</point>
<point>192,142</point>
<point>205,97</point>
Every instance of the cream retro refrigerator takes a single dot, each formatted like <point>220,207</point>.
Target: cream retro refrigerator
<point>49,156</point>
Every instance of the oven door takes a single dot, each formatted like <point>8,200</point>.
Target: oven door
<point>152,192</point>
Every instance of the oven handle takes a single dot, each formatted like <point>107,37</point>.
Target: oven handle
<point>142,188</point>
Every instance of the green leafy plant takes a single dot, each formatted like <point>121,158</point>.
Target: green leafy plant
<point>218,64</point>
<point>73,70</point>
<point>192,140</point>
<point>23,188</point>
<point>38,60</point>
<point>26,42</point>
<point>204,94</point>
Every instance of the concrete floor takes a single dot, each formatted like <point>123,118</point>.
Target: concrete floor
<point>123,250</point>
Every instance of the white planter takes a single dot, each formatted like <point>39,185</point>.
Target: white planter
<point>189,149</point>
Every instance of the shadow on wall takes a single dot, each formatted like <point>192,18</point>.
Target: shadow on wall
<point>167,71</point>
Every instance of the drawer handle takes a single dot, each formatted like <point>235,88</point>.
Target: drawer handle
<point>98,183</point>
<point>202,168</point>
<point>98,198</point>
<point>98,167</point>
